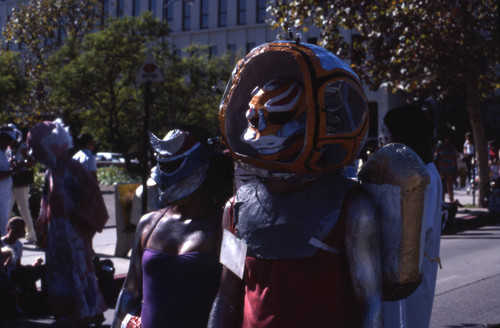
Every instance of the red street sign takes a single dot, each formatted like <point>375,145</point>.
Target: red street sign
<point>149,71</point>
<point>149,68</point>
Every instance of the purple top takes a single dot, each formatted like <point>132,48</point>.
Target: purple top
<point>178,290</point>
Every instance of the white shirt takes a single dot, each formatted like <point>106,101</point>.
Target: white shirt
<point>87,159</point>
<point>468,148</point>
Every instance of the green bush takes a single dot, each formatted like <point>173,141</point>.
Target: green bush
<point>36,190</point>
<point>109,175</point>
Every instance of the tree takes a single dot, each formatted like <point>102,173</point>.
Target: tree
<point>96,86</point>
<point>96,89</point>
<point>13,86</point>
<point>39,27</point>
<point>187,97</point>
<point>425,48</point>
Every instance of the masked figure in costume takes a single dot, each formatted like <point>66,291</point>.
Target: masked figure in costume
<point>301,244</point>
<point>174,270</point>
<point>72,211</point>
<point>411,126</point>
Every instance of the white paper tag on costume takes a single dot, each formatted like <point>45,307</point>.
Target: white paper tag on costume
<point>319,244</point>
<point>233,253</point>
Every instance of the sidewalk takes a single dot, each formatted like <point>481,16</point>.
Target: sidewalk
<point>467,218</point>
<point>470,216</point>
<point>104,245</point>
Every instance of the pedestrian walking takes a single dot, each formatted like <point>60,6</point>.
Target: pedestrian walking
<point>446,163</point>
<point>85,154</point>
<point>411,126</point>
<point>22,180</point>
<point>72,211</point>
<point>7,139</point>
<point>469,153</point>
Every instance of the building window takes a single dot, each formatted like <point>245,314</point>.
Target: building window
<point>168,16</point>
<point>120,6</point>
<point>261,11</point>
<point>177,53</point>
<point>105,8</point>
<point>186,16</point>
<point>231,48</point>
<point>242,12</point>
<point>152,7</point>
<point>250,46</point>
<point>136,8</point>
<point>222,13</point>
<point>203,14</point>
<point>212,51</point>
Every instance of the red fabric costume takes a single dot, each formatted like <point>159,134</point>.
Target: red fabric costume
<point>292,292</point>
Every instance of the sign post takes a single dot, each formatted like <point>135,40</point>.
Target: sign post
<point>148,74</point>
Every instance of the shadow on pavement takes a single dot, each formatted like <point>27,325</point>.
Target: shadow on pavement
<point>475,325</point>
<point>33,322</point>
<point>470,219</point>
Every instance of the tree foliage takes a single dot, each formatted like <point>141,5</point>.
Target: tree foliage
<point>95,88</point>
<point>187,96</point>
<point>38,28</point>
<point>425,48</point>
<point>13,85</point>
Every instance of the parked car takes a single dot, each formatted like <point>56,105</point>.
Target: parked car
<point>107,158</point>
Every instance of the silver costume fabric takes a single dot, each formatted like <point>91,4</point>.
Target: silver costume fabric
<point>281,226</point>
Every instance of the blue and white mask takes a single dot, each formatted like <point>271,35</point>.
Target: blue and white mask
<point>182,164</point>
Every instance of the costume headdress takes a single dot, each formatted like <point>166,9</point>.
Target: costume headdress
<point>182,164</point>
<point>48,141</point>
<point>294,107</point>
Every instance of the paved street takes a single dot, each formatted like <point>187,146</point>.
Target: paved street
<point>468,286</point>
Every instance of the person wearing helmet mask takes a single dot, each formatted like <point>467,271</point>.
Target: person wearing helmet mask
<point>411,126</point>
<point>174,268</point>
<point>301,247</point>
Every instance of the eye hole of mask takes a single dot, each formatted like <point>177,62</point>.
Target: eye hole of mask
<point>171,166</point>
<point>280,118</point>
<point>254,122</point>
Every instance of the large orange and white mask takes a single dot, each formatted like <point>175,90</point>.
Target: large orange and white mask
<point>294,108</point>
<point>276,118</point>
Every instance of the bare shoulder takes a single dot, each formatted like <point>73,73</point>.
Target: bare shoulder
<point>147,222</point>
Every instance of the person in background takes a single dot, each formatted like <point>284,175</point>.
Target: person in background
<point>493,160</point>
<point>20,158</point>
<point>174,269</point>
<point>8,294</point>
<point>410,125</point>
<point>86,155</point>
<point>23,277</point>
<point>72,210</point>
<point>469,153</point>
<point>446,163</point>
<point>7,139</point>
